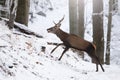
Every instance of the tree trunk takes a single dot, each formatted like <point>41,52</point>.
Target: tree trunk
<point>98,34</point>
<point>109,33</point>
<point>13,9</point>
<point>76,12</point>
<point>81,21</point>
<point>23,12</point>
<point>81,18</point>
<point>73,16</point>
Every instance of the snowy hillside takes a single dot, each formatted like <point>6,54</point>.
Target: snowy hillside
<point>21,56</point>
<point>19,59</point>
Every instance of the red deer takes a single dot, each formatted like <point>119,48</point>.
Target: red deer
<point>73,41</point>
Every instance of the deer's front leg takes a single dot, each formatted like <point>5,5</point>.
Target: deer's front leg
<point>63,53</point>
<point>56,47</point>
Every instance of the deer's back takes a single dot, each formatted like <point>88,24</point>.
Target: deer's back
<point>77,42</point>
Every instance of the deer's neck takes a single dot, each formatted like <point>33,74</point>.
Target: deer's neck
<point>62,35</point>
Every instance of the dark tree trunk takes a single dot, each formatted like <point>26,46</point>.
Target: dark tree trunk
<point>73,16</point>
<point>109,33</point>
<point>98,33</point>
<point>81,21</point>
<point>81,18</point>
<point>23,12</point>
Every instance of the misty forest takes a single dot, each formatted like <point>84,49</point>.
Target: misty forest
<point>59,40</point>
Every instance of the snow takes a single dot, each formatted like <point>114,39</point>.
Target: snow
<point>115,40</point>
<point>21,57</point>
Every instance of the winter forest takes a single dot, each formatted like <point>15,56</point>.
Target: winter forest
<point>59,40</point>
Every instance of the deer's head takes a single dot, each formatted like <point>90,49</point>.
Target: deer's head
<point>56,27</point>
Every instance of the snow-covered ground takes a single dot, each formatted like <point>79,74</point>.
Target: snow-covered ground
<point>21,57</point>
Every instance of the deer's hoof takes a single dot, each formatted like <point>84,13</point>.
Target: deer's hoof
<point>96,70</point>
<point>59,59</point>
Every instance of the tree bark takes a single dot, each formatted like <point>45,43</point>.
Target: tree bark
<point>81,21</point>
<point>73,16</point>
<point>13,9</point>
<point>23,12</point>
<point>81,18</point>
<point>98,33</point>
<point>109,33</point>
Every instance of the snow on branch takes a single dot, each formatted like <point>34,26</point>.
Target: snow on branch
<point>25,30</point>
<point>22,28</point>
